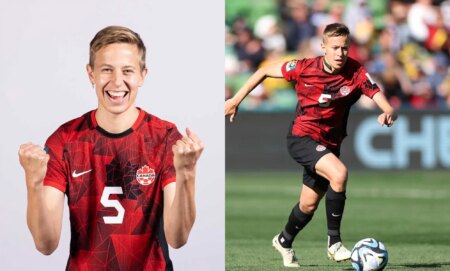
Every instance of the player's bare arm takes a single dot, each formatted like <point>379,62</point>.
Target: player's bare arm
<point>45,203</point>
<point>389,115</point>
<point>273,71</point>
<point>179,197</point>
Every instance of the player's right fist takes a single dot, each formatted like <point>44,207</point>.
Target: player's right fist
<point>34,161</point>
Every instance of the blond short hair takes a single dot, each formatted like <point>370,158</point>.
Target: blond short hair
<point>116,34</point>
<point>336,30</point>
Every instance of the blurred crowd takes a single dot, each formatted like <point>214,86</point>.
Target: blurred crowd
<point>406,48</point>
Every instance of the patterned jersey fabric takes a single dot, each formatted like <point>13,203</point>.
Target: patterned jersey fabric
<point>114,185</point>
<point>324,99</point>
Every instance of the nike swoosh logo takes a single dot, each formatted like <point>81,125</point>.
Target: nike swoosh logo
<point>335,215</point>
<point>75,174</point>
<point>308,85</point>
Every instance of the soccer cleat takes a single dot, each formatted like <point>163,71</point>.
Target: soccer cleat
<point>288,254</point>
<point>337,252</point>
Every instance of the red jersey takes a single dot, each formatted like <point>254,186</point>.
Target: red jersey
<point>324,99</point>
<point>114,185</point>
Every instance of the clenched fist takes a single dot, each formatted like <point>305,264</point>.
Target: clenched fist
<point>34,161</point>
<point>387,119</point>
<point>187,151</point>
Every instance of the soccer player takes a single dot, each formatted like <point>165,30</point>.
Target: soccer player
<point>129,176</point>
<point>326,86</point>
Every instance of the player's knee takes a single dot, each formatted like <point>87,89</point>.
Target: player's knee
<point>339,179</point>
<point>308,208</point>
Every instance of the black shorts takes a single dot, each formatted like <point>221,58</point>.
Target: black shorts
<point>306,151</point>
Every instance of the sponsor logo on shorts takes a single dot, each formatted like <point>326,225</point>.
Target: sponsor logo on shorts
<point>291,65</point>
<point>320,148</point>
<point>345,90</point>
<point>145,175</point>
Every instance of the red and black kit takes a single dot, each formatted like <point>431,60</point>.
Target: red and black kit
<point>324,102</point>
<point>324,99</point>
<point>114,184</point>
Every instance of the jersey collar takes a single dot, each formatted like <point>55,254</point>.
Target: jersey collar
<point>122,134</point>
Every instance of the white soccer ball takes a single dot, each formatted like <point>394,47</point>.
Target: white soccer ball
<point>369,254</point>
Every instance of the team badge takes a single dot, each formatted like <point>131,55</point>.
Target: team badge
<point>291,65</point>
<point>145,175</point>
<point>320,148</point>
<point>344,90</point>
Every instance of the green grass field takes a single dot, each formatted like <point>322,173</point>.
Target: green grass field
<point>408,211</point>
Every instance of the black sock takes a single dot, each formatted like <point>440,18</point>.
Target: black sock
<point>335,203</point>
<point>297,221</point>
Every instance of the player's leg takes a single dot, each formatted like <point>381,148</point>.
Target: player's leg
<point>299,217</point>
<point>304,151</point>
<point>301,214</point>
<point>331,168</point>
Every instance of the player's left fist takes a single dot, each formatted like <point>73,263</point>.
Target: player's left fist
<point>387,118</point>
<point>187,151</point>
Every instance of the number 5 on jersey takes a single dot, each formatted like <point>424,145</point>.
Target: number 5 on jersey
<point>324,100</point>
<point>110,190</point>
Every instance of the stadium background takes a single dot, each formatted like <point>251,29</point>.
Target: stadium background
<point>398,181</point>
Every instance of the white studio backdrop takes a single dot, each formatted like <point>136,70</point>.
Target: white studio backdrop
<point>44,48</point>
